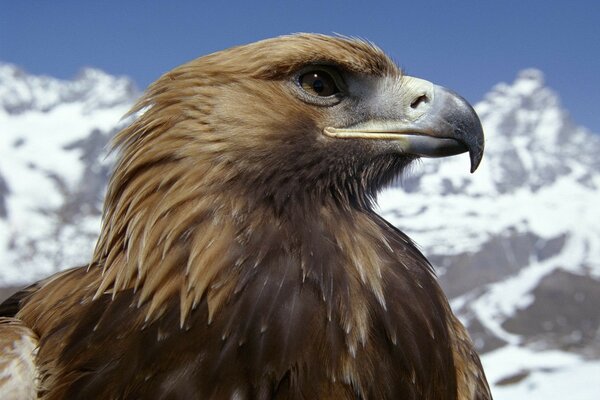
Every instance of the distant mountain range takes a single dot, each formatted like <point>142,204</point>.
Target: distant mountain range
<point>516,245</point>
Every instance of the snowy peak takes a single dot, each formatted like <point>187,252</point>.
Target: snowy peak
<point>531,142</point>
<point>530,86</point>
<point>527,93</point>
<point>524,111</point>
<point>531,138</point>
<point>95,89</point>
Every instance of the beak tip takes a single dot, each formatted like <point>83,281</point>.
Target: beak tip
<point>476,155</point>
<point>467,128</point>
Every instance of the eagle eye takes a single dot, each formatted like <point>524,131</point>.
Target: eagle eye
<point>318,83</point>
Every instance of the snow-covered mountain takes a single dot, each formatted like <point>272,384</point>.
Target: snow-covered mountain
<point>54,166</point>
<point>516,245</point>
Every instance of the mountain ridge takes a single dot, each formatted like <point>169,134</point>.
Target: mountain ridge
<point>21,92</point>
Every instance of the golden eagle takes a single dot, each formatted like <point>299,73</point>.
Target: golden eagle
<point>240,256</point>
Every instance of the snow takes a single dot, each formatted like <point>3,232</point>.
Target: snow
<point>551,375</point>
<point>40,151</point>
<point>449,224</point>
<point>528,81</point>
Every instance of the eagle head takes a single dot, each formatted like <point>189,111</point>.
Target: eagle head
<point>298,117</point>
<point>267,134</point>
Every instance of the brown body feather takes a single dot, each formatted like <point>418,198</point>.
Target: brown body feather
<point>240,257</point>
<point>18,370</point>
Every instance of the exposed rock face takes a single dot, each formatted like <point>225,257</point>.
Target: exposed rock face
<point>498,258</point>
<point>564,314</point>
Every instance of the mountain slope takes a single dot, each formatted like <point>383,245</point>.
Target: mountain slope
<point>516,245</point>
<point>53,167</point>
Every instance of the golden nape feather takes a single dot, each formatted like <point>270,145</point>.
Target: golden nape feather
<point>240,256</point>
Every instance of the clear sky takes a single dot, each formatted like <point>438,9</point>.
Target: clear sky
<point>465,45</point>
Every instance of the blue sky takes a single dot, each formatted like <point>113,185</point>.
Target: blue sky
<point>465,45</point>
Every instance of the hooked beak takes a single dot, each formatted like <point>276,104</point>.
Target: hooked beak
<point>432,122</point>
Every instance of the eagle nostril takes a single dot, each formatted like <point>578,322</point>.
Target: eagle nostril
<point>422,99</point>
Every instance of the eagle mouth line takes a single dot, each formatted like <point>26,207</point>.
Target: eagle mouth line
<point>419,143</point>
<point>375,134</point>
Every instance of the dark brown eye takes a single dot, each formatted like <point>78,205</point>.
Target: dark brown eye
<point>318,83</point>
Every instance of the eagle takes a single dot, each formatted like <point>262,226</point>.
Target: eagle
<point>240,256</point>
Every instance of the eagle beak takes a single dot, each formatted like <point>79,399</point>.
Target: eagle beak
<point>432,122</point>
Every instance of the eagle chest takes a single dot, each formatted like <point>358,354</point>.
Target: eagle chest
<point>305,320</point>
<point>330,317</point>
